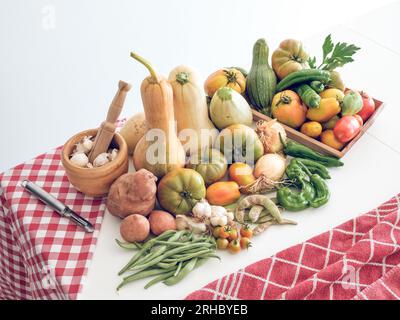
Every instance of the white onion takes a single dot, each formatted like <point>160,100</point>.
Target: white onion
<point>271,166</point>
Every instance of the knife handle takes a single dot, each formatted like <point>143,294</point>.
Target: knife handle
<point>44,196</point>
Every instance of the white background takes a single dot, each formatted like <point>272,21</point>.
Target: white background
<point>60,62</point>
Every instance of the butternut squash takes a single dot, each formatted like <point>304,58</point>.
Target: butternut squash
<point>195,129</point>
<point>159,150</point>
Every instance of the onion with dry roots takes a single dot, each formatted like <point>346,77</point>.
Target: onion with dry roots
<point>268,132</point>
<point>268,171</point>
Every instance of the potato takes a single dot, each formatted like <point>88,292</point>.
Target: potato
<point>161,221</point>
<point>132,193</point>
<point>134,129</point>
<point>134,228</point>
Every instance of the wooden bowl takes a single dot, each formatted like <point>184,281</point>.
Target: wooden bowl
<point>95,182</point>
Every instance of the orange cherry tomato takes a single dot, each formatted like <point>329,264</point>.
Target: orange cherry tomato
<point>246,232</point>
<point>233,234</point>
<point>234,246</point>
<point>223,193</point>
<point>224,232</point>
<point>245,243</point>
<point>222,244</point>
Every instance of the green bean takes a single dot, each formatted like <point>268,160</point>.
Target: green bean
<point>141,275</point>
<point>183,258</point>
<point>170,253</point>
<point>128,245</point>
<point>179,268</point>
<point>165,235</point>
<point>160,278</point>
<point>182,274</point>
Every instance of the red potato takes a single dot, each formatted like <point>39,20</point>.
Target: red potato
<point>135,228</point>
<point>161,221</point>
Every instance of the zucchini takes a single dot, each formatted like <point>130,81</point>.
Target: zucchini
<point>261,80</point>
<point>318,86</point>
<point>308,95</point>
<point>305,75</point>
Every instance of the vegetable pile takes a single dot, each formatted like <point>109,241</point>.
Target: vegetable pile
<point>214,179</point>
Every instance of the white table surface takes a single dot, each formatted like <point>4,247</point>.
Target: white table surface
<point>57,77</point>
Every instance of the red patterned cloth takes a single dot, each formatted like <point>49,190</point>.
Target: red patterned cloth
<point>360,259</point>
<point>42,255</point>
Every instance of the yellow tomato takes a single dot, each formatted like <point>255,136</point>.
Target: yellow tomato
<point>241,173</point>
<point>312,129</point>
<point>328,138</point>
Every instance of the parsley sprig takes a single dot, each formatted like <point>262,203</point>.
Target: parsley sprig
<point>334,55</point>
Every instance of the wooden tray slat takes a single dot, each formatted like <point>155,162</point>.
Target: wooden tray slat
<point>318,145</point>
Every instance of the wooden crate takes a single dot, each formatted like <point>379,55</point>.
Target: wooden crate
<point>318,145</point>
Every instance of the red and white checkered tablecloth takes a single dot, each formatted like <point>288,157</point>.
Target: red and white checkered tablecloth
<point>360,259</point>
<point>42,255</point>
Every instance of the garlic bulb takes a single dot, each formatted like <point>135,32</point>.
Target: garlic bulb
<point>186,223</point>
<point>113,154</point>
<point>84,146</point>
<point>220,221</point>
<point>87,144</point>
<point>218,211</point>
<point>230,216</point>
<point>80,159</point>
<point>202,209</point>
<point>101,160</point>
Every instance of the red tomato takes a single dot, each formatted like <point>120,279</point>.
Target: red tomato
<point>368,107</point>
<point>359,119</point>
<point>346,128</point>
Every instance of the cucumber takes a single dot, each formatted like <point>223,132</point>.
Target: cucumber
<point>308,95</point>
<point>261,80</point>
<point>318,86</point>
<point>305,75</point>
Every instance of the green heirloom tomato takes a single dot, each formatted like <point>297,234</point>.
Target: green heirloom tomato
<point>352,103</point>
<point>180,189</point>
<point>211,164</point>
<point>240,143</point>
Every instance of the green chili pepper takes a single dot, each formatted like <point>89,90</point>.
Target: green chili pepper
<point>322,191</point>
<point>315,167</point>
<point>291,200</point>
<point>295,149</point>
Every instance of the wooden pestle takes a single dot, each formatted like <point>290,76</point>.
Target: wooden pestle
<point>107,128</point>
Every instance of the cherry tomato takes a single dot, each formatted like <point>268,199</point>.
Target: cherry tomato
<point>224,232</point>
<point>246,232</point>
<point>245,243</point>
<point>368,107</point>
<point>346,128</point>
<point>222,244</point>
<point>217,231</point>
<point>233,234</point>
<point>234,246</point>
